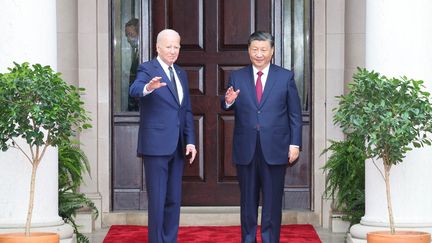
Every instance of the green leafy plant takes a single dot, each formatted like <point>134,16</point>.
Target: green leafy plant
<point>391,114</point>
<point>345,177</point>
<point>73,164</point>
<point>40,108</point>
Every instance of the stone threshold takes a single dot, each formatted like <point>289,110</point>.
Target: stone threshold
<point>207,216</point>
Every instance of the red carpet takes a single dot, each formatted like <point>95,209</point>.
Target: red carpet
<point>293,233</point>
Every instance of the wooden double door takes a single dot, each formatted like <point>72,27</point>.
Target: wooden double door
<point>214,37</point>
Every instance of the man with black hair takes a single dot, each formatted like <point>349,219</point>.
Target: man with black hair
<point>267,135</point>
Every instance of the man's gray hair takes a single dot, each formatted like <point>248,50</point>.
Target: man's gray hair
<point>166,32</point>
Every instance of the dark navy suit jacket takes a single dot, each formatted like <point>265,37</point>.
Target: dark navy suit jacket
<point>278,116</point>
<point>163,121</point>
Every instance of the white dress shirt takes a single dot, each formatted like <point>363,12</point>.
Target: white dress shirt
<point>264,76</point>
<point>167,72</point>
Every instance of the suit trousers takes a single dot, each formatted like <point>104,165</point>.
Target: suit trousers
<point>269,179</point>
<point>164,182</point>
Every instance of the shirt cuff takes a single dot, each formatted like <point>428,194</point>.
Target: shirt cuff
<point>145,91</point>
<point>229,105</point>
<point>191,145</point>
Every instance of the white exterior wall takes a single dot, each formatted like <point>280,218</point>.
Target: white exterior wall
<point>28,33</point>
<point>27,26</point>
<point>398,42</point>
<point>402,26</point>
<point>328,82</point>
<point>83,56</point>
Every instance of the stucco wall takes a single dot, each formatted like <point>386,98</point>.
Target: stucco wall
<point>83,58</point>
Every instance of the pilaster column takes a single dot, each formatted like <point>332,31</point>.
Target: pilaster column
<point>398,43</point>
<point>28,33</point>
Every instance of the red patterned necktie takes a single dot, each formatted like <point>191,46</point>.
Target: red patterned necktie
<point>258,86</point>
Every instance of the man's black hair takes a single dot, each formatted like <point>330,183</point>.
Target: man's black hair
<point>261,36</point>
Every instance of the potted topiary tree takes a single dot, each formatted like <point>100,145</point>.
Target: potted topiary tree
<point>392,114</point>
<point>38,107</point>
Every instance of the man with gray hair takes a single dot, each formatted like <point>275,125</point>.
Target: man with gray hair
<point>166,134</point>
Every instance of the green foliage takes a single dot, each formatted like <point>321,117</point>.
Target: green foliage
<point>73,163</point>
<point>33,98</point>
<point>390,113</point>
<point>345,180</point>
<point>69,203</point>
<point>42,109</point>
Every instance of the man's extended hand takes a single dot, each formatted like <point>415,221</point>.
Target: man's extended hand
<point>231,95</point>
<point>155,83</point>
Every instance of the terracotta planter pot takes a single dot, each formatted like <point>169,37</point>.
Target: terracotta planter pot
<point>399,237</point>
<point>35,237</point>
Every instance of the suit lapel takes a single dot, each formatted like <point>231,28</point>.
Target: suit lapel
<point>251,85</point>
<point>270,82</point>
<point>165,79</point>
<point>182,81</point>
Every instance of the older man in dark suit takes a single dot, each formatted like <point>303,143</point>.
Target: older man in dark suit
<point>166,134</point>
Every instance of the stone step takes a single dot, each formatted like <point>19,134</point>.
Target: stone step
<point>207,216</point>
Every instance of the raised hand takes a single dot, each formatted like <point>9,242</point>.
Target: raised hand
<point>231,95</point>
<point>155,83</point>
